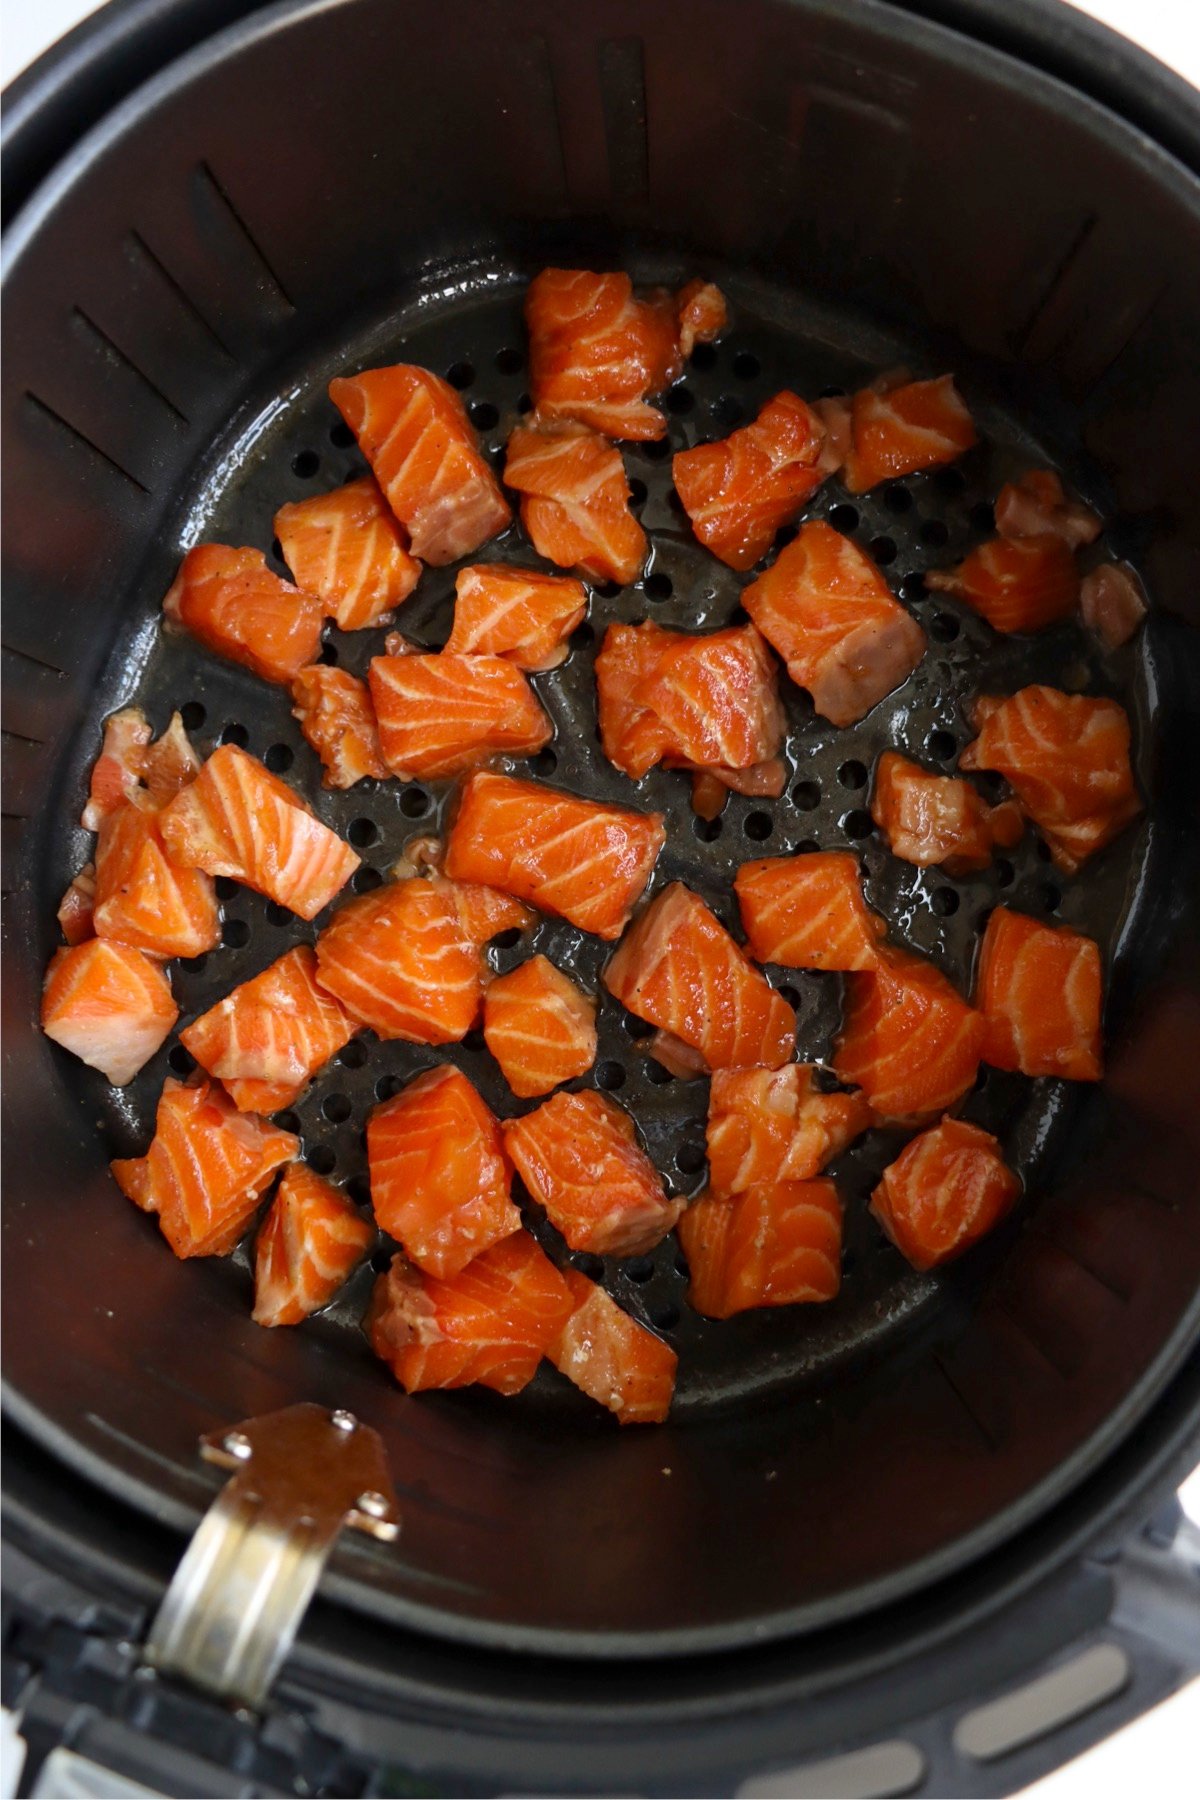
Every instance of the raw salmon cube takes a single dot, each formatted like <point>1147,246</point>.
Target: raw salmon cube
<point>539,1026</point>
<point>109,1005</point>
<point>828,611</point>
<point>807,911</point>
<point>347,548</point>
<point>413,430</point>
<point>908,1040</point>
<point>236,607</point>
<point>310,1243</point>
<point>336,716</point>
<point>776,1244</point>
<point>612,1358</point>
<point>1113,603</point>
<point>1035,505</point>
<point>440,1177</point>
<point>739,491</point>
<point>702,313</point>
<point>439,715</point>
<point>900,429</point>
<point>206,1170</point>
<point>267,1039</point>
<point>1016,584</point>
<point>595,351</point>
<point>579,1157</point>
<point>490,1324</point>
<point>678,968</point>
<point>946,1189</point>
<point>500,610</point>
<point>132,769</point>
<point>1040,989</point>
<point>932,819</point>
<point>767,1125</point>
<point>239,820</point>
<point>145,896</point>
<point>77,906</point>
<point>575,499</point>
<point>582,860</point>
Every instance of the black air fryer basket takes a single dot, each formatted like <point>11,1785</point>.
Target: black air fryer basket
<point>867,1526</point>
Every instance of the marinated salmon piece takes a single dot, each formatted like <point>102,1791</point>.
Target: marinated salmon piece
<point>945,1190</point>
<point>1067,756</point>
<point>769,1125</point>
<point>808,912</point>
<point>1016,584</point>
<point>739,491</point>
<point>310,1243</point>
<point>407,959</point>
<point>711,787</point>
<point>337,718</point>
<point>490,1324</point>
<point>898,430</point>
<point>413,430</point>
<point>133,769</point>
<point>1036,505</point>
<point>678,968</point>
<point>1040,989</point>
<point>236,607</point>
<point>76,908</point>
<point>703,315</point>
<point>828,611</point>
<point>579,1156</point>
<point>500,610</point>
<point>348,549</point>
<point>579,859</point>
<point>169,763</point>
<point>908,1039</point>
<point>932,819</point>
<point>206,1170</point>
<point>239,820</point>
<point>267,1039</point>
<point>440,1178</point>
<point>612,1358</point>
<point>439,715</point>
<point>575,499</point>
<point>145,897</point>
<point>1112,603</point>
<point>596,351</point>
<point>633,738</point>
<point>776,1244</point>
<point>109,1005</point>
<point>539,1026</point>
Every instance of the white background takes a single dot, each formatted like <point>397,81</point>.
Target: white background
<point>1159,1757</point>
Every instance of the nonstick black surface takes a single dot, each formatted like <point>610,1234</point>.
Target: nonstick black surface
<point>471,330</point>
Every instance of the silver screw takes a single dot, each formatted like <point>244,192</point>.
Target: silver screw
<point>236,1443</point>
<point>373,1504</point>
<point>341,1420</point>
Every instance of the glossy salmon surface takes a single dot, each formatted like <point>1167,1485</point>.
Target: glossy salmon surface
<point>577,858</point>
<point>337,718</point>
<point>109,1005</point>
<point>899,430</point>
<point>579,1156</point>
<point>612,1358</point>
<point>1040,989</point>
<point>908,1039</point>
<point>239,820</point>
<point>407,959</point>
<point>145,897</point>
<point>1036,505</point>
<point>267,1039</point>
<point>523,614</point>
<point>826,608</point>
<point>134,767</point>
<point>490,1324</point>
<point>237,608</point>
<point>413,430</point>
<point>310,1243</point>
<point>777,1244</point>
<point>76,909</point>
<point>539,1026</point>
<point>1113,603</point>
<point>348,549</point>
<point>768,1125</point>
<point>703,315</point>
<point>807,911</point>
<point>740,490</point>
<point>439,715</point>
<point>679,969</point>
<point>940,820</point>
<point>206,1169</point>
<point>1016,584</point>
<point>1067,757</point>
<point>440,1176</point>
<point>596,351</point>
<point>575,499</point>
<point>945,1190</point>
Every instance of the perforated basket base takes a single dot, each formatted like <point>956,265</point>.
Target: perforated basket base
<point>294,444</point>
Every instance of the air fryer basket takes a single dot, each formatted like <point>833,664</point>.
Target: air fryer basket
<point>324,186</point>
